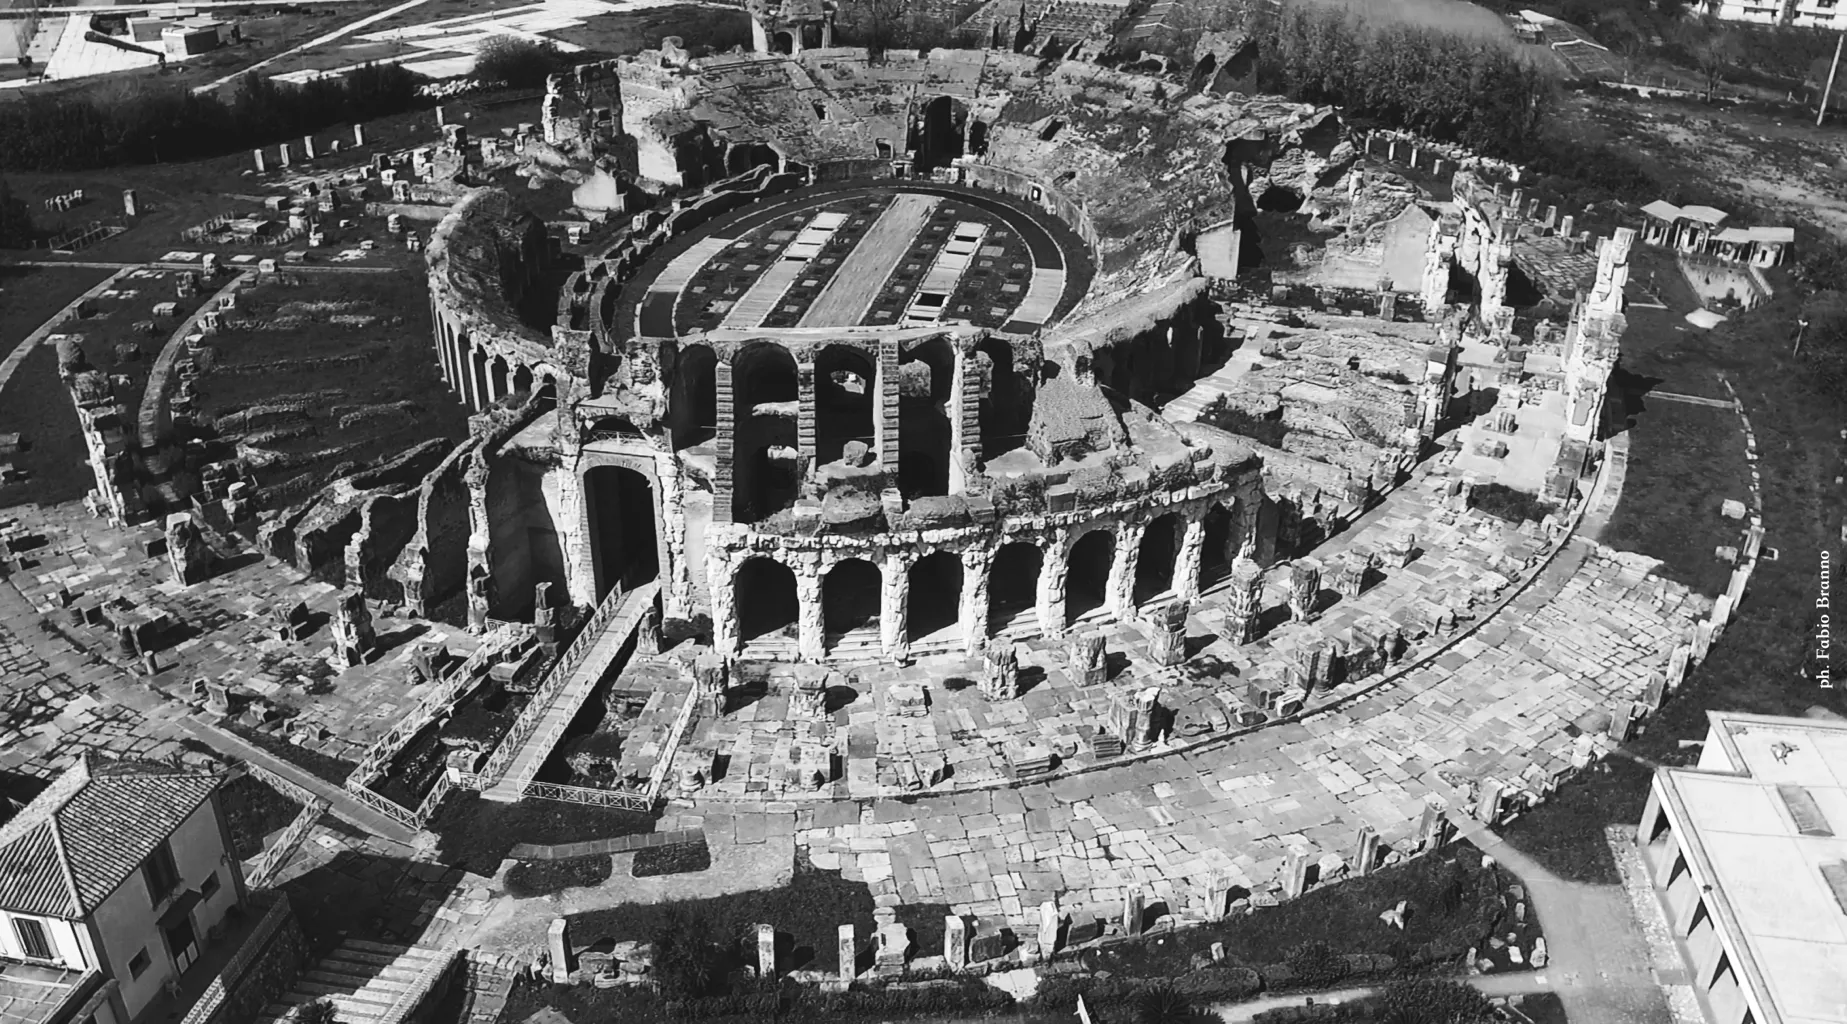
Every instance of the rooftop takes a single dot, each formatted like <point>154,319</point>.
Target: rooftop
<point>1758,832</point>
<point>30,994</point>
<point>78,840</point>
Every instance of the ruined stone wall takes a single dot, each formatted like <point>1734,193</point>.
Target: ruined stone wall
<point>527,532</point>
<point>431,566</point>
<point>482,257</point>
<point>1031,189</point>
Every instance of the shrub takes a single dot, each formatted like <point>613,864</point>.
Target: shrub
<point>1503,502</point>
<point>1164,1006</point>
<point>530,878</point>
<point>680,858</point>
<point>517,62</point>
<point>1432,1001</point>
<point>1315,964</point>
<point>686,960</point>
<point>321,1011</point>
<point>1218,984</point>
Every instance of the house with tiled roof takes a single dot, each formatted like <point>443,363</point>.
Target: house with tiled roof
<point>112,882</point>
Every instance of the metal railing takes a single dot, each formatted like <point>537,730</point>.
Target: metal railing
<point>387,807</point>
<point>642,597</point>
<point>451,688</point>
<point>657,779</point>
<point>557,676</point>
<point>627,801</point>
<point>271,860</point>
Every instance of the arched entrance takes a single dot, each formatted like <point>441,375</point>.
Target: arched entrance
<point>745,156</point>
<point>939,133</point>
<point>766,464</point>
<point>1006,408</point>
<point>935,583</point>
<point>783,42</point>
<point>1087,573</point>
<point>1013,583</point>
<point>522,379</point>
<point>498,374</point>
<point>623,545</point>
<point>695,397</point>
<point>924,375</point>
<point>850,596</point>
<point>844,389</point>
<point>1219,547</point>
<point>1155,558</point>
<point>765,593</point>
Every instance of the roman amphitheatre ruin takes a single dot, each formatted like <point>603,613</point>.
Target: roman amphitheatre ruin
<point>843,430</point>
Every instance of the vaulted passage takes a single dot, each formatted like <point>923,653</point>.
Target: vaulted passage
<point>844,406</point>
<point>766,463</point>
<point>1220,546</point>
<point>939,138</point>
<point>1006,407</point>
<point>1154,563</point>
<point>765,594</point>
<point>622,539</point>
<point>850,596</point>
<point>1013,581</point>
<point>935,594</point>
<point>924,433</point>
<point>1087,579</point>
<point>695,397</point>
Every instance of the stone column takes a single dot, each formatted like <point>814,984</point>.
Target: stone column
<point>1245,606</point>
<point>974,609</point>
<point>560,951</point>
<point>719,572</point>
<point>677,593</point>
<point>1192,552</point>
<point>1048,928</point>
<point>1295,874</point>
<point>1000,677</point>
<point>805,412</point>
<point>257,154</point>
<point>885,414</point>
<point>766,951</point>
<point>726,445</point>
<point>359,135</point>
<point>893,615</point>
<point>282,155</point>
<point>810,638</point>
<point>1167,647</point>
<point>307,147</point>
<point>1121,600</point>
<point>1304,588</point>
<point>1052,569</point>
<point>848,952</point>
<point>964,418</point>
<point>1432,827</point>
<point>955,942</point>
<point>1089,662</point>
<point>1217,891</point>
<point>1132,912</point>
<point>1365,850</point>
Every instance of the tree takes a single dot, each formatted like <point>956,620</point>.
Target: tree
<point>16,228</point>
<point>517,62</point>
<point>1315,964</point>
<point>1432,1001</point>
<point>1714,50</point>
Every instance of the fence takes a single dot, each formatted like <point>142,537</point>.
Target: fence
<point>263,870</point>
<point>657,779</point>
<point>641,802</point>
<point>89,234</point>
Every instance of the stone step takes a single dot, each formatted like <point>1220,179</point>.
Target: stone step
<point>362,993</point>
<point>392,978</point>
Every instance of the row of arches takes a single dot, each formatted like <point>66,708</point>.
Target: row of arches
<point>843,398</point>
<point>481,379</point>
<point>853,592</point>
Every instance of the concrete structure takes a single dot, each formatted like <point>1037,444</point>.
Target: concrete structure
<point>118,875</point>
<point>1801,13</point>
<point>1695,230</point>
<point>1744,853</point>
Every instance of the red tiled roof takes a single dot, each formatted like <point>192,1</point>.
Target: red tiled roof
<point>73,845</point>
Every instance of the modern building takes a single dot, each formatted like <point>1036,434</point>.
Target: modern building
<point>1801,13</point>
<point>1695,230</point>
<point>112,884</point>
<point>1748,854</point>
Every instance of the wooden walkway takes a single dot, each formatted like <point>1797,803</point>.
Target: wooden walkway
<point>584,677</point>
<point>845,300</point>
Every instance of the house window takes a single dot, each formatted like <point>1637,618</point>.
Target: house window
<point>32,938</point>
<point>162,876</point>
<point>209,887</point>
<point>139,965</point>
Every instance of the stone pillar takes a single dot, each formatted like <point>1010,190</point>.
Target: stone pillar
<point>974,610</point>
<point>1295,874</point>
<point>964,412</point>
<point>545,619</point>
<point>1433,827</point>
<point>257,154</point>
<point>1246,598</point>
<point>848,952</point>
<point>955,942</point>
<point>1132,911</point>
<point>766,951</point>
<point>1051,595</point>
<point>1304,588</point>
<point>1132,718</point>
<point>282,155</point>
<point>560,952</point>
<point>893,613</point>
<point>805,412</point>
<point>307,147</point>
<point>1488,801</point>
<point>1122,568</point>
<point>1167,647</point>
<point>1365,850</point>
<point>187,553</point>
<point>1350,573</point>
<point>1000,679</point>
<point>1192,553</point>
<point>885,413</point>
<point>359,135</point>
<point>1048,928</point>
<point>810,638</point>
<point>1217,892</point>
<point>352,629</point>
<point>726,445</point>
<point>1089,662</point>
<point>723,587</point>
<point>130,208</point>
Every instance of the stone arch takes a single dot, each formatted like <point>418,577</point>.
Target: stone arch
<point>746,156</point>
<point>764,593</point>
<point>783,42</point>
<point>766,463</point>
<point>1204,71</point>
<point>846,406</point>
<point>1157,556</point>
<point>548,388</point>
<point>925,374</point>
<point>1006,402</point>
<point>497,378</point>
<point>940,132</point>
<point>1013,581</point>
<point>695,397</point>
<point>522,378</point>
<point>850,596</point>
<point>477,377</point>
<point>935,588</point>
<point>624,547</point>
<point>1087,572</point>
<point>1219,544</point>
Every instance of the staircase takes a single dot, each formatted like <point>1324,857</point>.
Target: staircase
<point>362,979</point>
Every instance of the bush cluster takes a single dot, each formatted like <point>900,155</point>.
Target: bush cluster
<point>518,63</point>
<point>143,122</point>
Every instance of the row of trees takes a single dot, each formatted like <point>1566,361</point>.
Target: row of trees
<point>141,122</point>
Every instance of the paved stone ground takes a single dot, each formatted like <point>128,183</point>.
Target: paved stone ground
<point>225,635</point>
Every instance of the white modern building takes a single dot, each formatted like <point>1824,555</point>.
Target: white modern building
<point>1748,854</point>
<point>1802,13</point>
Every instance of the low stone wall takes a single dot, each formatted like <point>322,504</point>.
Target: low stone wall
<point>259,972</point>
